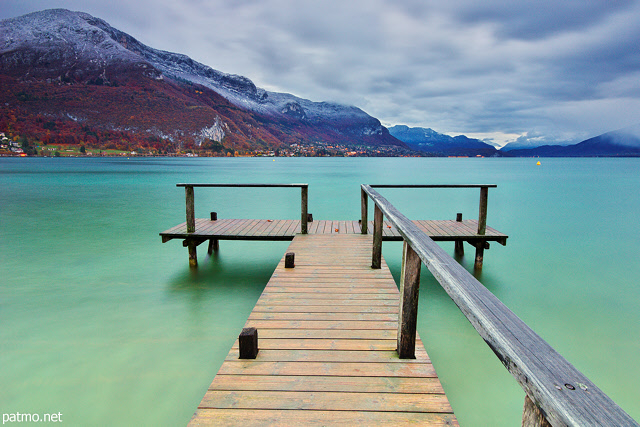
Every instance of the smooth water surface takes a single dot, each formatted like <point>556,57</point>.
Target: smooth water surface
<point>103,323</point>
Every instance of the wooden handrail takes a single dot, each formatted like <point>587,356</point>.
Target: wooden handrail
<point>559,392</point>
<point>243,185</point>
<point>482,211</point>
<point>433,185</point>
<point>190,203</point>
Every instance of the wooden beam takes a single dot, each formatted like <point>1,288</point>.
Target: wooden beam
<point>482,214</point>
<point>193,254</point>
<point>479,255</point>
<point>214,246</point>
<point>376,259</point>
<point>408,316</point>
<point>364,208</point>
<point>304,197</point>
<point>193,241</point>
<point>459,243</point>
<point>532,416</point>
<point>191,216</point>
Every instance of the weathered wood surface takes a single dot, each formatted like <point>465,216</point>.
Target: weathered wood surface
<point>328,335</point>
<point>565,395</point>
<point>286,229</point>
<point>409,290</point>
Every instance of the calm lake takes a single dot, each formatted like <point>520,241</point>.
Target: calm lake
<point>101,322</point>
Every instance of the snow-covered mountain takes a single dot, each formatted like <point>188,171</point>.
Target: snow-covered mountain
<point>59,46</point>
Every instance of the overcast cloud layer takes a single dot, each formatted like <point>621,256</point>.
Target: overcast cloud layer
<point>554,71</point>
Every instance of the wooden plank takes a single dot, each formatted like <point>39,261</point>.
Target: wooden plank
<point>309,296</point>
<point>281,225</point>
<point>363,289</point>
<point>261,417</point>
<point>380,337</point>
<point>364,356</point>
<point>284,231</point>
<point>319,324</point>
<point>319,383</point>
<point>327,345</point>
<point>327,401</point>
<point>279,229</point>
<point>342,369</point>
<point>331,302</point>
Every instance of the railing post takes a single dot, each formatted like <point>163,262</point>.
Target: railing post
<point>191,216</point>
<point>376,261</point>
<point>304,196</point>
<point>532,416</point>
<point>482,226</point>
<point>408,316</point>
<point>459,246</point>
<point>482,215</point>
<point>364,207</point>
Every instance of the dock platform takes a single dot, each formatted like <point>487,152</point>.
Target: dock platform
<point>327,338</point>
<point>332,341</point>
<point>286,229</point>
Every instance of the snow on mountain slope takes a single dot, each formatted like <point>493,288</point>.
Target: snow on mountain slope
<point>75,39</point>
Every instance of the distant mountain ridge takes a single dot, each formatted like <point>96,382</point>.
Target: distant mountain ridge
<point>430,141</point>
<point>71,65</point>
<point>619,143</point>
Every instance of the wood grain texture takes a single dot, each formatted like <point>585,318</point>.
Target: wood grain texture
<point>328,339</point>
<point>539,369</point>
<point>286,229</point>
<point>262,417</point>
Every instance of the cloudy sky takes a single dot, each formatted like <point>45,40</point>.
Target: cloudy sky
<point>555,71</point>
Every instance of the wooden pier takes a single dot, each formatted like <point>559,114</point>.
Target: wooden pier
<point>195,231</point>
<point>332,341</point>
<point>327,338</point>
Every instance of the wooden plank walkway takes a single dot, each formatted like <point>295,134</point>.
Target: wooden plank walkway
<point>327,338</point>
<point>286,229</point>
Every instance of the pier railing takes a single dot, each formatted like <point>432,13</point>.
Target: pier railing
<point>482,217</point>
<point>190,203</point>
<point>556,392</point>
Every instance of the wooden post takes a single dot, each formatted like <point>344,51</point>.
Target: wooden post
<point>304,195</point>
<point>408,316</point>
<point>289,260</point>
<point>191,216</point>
<point>214,245</point>
<point>248,343</point>
<point>479,255</point>
<point>459,243</point>
<point>482,226</point>
<point>364,207</point>
<point>482,215</point>
<point>376,261</point>
<point>193,254</point>
<point>532,416</point>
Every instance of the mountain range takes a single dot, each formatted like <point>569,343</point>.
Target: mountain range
<point>75,78</point>
<point>70,78</point>
<point>430,141</point>
<point>620,143</point>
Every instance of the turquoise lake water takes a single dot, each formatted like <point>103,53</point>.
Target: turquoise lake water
<point>101,322</point>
